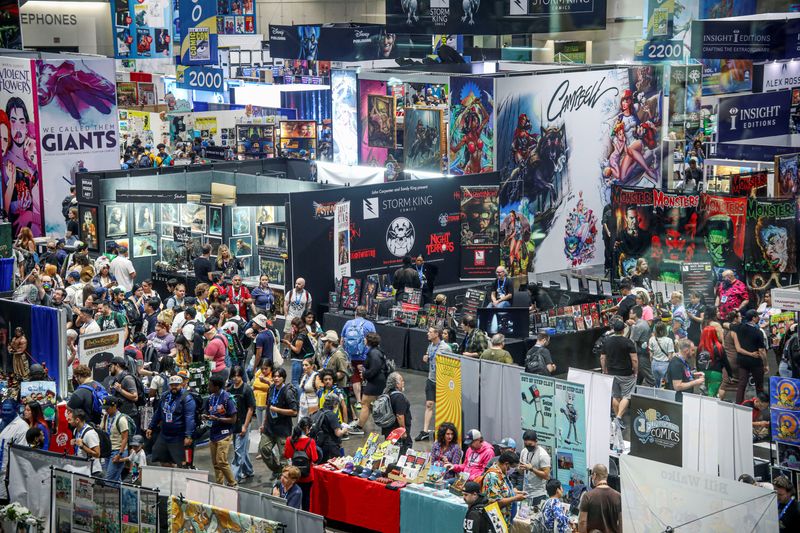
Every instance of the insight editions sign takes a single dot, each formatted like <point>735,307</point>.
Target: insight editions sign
<point>754,115</point>
<point>757,40</point>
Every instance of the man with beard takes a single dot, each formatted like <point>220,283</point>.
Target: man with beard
<point>21,175</point>
<point>632,241</point>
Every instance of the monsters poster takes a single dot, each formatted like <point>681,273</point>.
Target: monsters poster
<point>770,241</point>
<point>471,125</point>
<point>723,231</point>
<point>561,145</point>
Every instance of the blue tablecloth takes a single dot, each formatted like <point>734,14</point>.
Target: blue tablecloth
<point>440,511</point>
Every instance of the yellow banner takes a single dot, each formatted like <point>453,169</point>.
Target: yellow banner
<point>448,391</point>
<point>496,518</point>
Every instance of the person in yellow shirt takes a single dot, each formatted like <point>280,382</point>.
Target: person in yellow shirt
<point>261,384</point>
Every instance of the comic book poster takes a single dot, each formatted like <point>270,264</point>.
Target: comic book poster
<point>538,412</point>
<point>369,155</point>
<point>675,238</point>
<point>633,213</point>
<point>127,95</point>
<point>480,252</point>
<point>380,121</point>
<point>351,292</point>
<point>142,28</point>
<point>562,143</point>
<point>786,176</point>
<point>753,183</point>
<point>770,241</point>
<point>345,116</point>
<point>424,138</point>
<point>723,231</point>
<point>425,94</point>
<point>471,125</point>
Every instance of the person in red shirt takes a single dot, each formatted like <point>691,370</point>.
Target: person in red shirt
<point>732,294</point>
<point>761,416</point>
<point>239,295</point>
<point>301,442</point>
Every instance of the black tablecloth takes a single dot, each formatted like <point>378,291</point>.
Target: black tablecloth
<point>574,350</point>
<point>394,339</point>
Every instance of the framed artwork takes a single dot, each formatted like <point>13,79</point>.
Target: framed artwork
<point>144,246</point>
<point>88,219</point>
<point>274,268</point>
<point>241,221</point>
<point>265,214</point>
<point>171,251</point>
<point>170,213</point>
<point>215,243</point>
<point>370,290</point>
<point>350,293</point>
<point>281,235</point>
<point>298,129</point>
<point>241,246</point>
<point>215,220</point>
<point>424,141</point>
<point>381,131</point>
<point>194,216</point>
<point>144,220</point>
<point>116,220</point>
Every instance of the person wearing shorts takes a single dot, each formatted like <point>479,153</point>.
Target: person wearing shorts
<point>619,359</point>
<point>175,417</point>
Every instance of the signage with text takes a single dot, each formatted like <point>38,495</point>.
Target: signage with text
<point>198,22</point>
<point>152,197</point>
<point>754,115</point>
<point>201,78</point>
<point>758,40</point>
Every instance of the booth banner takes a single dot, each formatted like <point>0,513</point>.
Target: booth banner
<point>471,125</point>
<point>744,184</point>
<point>538,409</point>
<point>21,158</point>
<point>779,76</point>
<point>325,43</point>
<point>770,241</point>
<point>448,392</point>
<point>493,17</point>
<point>752,116</point>
<point>29,473</point>
<point>341,232</point>
<point>96,350</point>
<point>786,183</point>
<point>561,151</point>
<point>78,126</point>
<point>344,98</point>
<point>723,231</point>
<point>754,39</point>
<point>633,219</point>
<point>784,393</point>
<point>655,494</point>
<point>142,28</point>
<point>570,458</point>
<point>480,251</point>
<point>187,515</point>
<point>369,155</point>
<point>11,34</point>
<point>698,277</point>
<point>725,76</point>
<point>198,25</point>
<point>657,429</point>
<point>659,19</point>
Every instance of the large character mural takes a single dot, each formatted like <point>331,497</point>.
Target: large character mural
<point>562,143</point>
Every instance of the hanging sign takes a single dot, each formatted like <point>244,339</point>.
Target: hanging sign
<point>198,20</point>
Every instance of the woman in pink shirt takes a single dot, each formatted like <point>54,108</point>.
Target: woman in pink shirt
<point>216,349</point>
<point>643,300</point>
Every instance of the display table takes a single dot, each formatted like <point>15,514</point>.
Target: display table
<point>355,501</point>
<point>421,510</point>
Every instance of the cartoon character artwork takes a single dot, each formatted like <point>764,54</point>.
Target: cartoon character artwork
<point>580,234</point>
<point>309,41</point>
<point>515,234</point>
<point>633,144</point>
<point>571,413</point>
<point>471,133</point>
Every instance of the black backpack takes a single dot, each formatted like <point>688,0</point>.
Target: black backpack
<point>535,363</point>
<point>132,313</point>
<point>792,352</point>
<point>103,437</point>
<point>302,461</point>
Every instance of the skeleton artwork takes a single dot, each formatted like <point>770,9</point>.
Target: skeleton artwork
<point>410,9</point>
<point>400,236</point>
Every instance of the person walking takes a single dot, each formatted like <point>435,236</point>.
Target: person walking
<point>354,343</point>
<point>662,349</point>
<point>601,507</point>
<point>435,346</point>
<point>175,416</point>
<point>115,424</point>
<point>221,412</point>
<point>375,376</point>
<point>639,332</point>
<point>752,354</point>
<point>401,407</point>
<point>618,358</point>
<point>245,407</point>
<point>282,405</point>
<point>302,451</point>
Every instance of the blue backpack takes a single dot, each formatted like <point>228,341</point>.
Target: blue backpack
<point>99,394</point>
<point>354,343</point>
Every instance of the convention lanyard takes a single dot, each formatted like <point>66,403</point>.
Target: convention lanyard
<point>788,504</point>
<point>686,366</point>
<point>110,423</point>
<point>325,364</point>
<point>500,287</point>
<point>420,273</point>
<point>213,402</point>
<point>299,298</point>
<point>275,394</point>
<point>169,406</point>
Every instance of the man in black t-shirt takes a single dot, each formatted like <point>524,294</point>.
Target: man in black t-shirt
<point>401,407</point>
<point>203,265</point>
<point>788,512</point>
<point>281,407</point>
<point>679,375</point>
<point>328,430</point>
<point>751,354</point>
<point>245,407</point>
<point>623,308</point>
<point>618,358</point>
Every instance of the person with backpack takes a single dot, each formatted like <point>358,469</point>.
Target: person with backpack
<point>175,416</point>
<point>476,519</point>
<point>117,426</point>
<point>789,366</point>
<point>399,409</point>
<point>375,376</point>
<point>538,359</point>
<point>328,429</point>
<point>127,387</point>
<point>265,340</point>
<point>221,413</point>
<point>711,360</point>
<point>300,346</point>
<point>354,335</point>
<point>88,396</point>
<point>86,440</point>
<point>245,409</point>
<point>282,405</point>
<point>216,349</point>
<point>302,451</point>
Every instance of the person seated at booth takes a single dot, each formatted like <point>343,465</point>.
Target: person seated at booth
<point>479,453</point>
<point>502,290</point>
<point>761,416</point>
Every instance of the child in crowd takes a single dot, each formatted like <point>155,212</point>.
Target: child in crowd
<point>136,459</point>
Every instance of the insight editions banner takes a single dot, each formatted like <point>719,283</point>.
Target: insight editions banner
<point>752,116</point>
<point>757,40</point>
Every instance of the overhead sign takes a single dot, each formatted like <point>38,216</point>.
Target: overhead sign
<point>782,75</point>
<point>656,50</point>
<point>141,28</point>
<point>754,115</point>
<point>150,197</point>
<point>758,40</point>
<point>198,22</point>
<point>786,299</point>
<point>200,78</point>
<point>325,43</point>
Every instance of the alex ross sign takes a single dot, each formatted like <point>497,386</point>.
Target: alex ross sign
<point>784,75</point>
<point>753,116</point>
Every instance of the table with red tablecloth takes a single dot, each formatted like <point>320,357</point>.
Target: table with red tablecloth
<point>355,501</point>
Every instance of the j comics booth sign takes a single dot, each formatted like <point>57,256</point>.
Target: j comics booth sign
<point>387,221</point>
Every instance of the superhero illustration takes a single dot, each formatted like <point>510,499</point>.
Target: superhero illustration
<point>380,122</point>
<point>673,243</point>
<point>343,109</point>
<point>580,234</point>
<point>143,41</point>
<point>515,235</point>
<point>423,139</point>
<point>471,131</point>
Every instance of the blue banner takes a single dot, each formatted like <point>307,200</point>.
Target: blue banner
<point>754,115</point>
<point>198,23</point>
<point>784,393</point>
<point>200,78</point>
<point>656,50</point>
<point>757,40</point>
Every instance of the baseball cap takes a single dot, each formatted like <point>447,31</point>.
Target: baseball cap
<point>508,442</point>
<point>190,300</point>
<point>183,374</point>
<point>73,275</point>
<point>261,321</point>
<point>348,468</point>
<point>111,400</point>
<point>118,290</point>
<point>119,361</point>
<point>472,435</point>
<point>175,380</point>
<point>137,440</point>
<point>470,487</point>
<point>330,335</point>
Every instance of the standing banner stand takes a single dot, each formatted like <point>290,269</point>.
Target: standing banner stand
<point>597,391</point>
<point>470,391</point>
<point>661,497</point>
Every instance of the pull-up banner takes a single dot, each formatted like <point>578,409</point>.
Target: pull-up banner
<point>757,40</point>
<point>198,22</point>
<point>325,43</point>
<point>493,17</point>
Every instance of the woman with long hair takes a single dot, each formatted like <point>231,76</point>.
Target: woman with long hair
<point>308,402</point>
<point>661,351</point>
<point>300,441</point>
<point>299,346</point>
<point>446,449</point>
<point>34,416</point>
<point>712,351</point>
<point>227,263</point>
<point>26,246</point>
